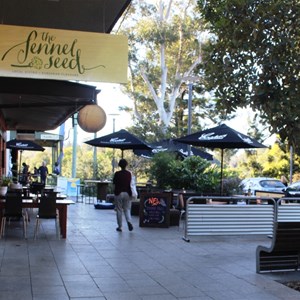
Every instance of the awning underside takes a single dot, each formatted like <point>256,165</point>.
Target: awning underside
<point>36,104</point>
<point>81,15</point>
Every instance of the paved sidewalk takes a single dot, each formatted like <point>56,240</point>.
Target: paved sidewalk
<point>96,262</point>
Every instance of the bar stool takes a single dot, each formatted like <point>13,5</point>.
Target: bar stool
<point>89,193</point>
<point>80,193</point>
<point>110,198</point>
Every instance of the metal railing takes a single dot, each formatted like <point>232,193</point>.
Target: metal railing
<point>235,215</point>
<point>288,209</point>
<point>229,216</point>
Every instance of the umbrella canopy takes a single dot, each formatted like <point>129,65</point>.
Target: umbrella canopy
<point>183,150</point>
<point>24,145</point>
<point>222,137</point>
<point>122,139</point>
<point>143,153</point>
<point>171,146</point>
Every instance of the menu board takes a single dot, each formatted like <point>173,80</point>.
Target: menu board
<point>155,209</point>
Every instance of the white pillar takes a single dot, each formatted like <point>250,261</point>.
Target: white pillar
<point>291,163</point>
<point>74,153</point>
<point>95,163</point>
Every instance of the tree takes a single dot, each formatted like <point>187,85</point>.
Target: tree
<point>252,60</point>
<point>165,47</point>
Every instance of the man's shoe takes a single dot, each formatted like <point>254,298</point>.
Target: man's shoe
<point>130,227</point>
<point>119,229</point>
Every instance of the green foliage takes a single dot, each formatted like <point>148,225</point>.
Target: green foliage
<point>5,181</point>
<point>250,165</point>
<point>197,174</point>
<point>253,60</point>
<point>193,173</point>
<point>35,159</point>
<point>231,181</point>
<point>139,166</point>
<point>164,50</point>
<point>272,162</point>
<point>276,162</point>
<point>167,172</point>
<point>85,162</point>
<point>160,169</point>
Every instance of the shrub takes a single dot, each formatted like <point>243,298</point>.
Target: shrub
<point>231,185</point>
<point>5,181</point>
<point>160,169</point>
<point>193,173</point>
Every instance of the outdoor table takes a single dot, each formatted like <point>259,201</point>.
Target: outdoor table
<point>61,196</point>
<point>61,205</point>
<point>101,187</point>
<point>26,191</point>
<point>49,188</point>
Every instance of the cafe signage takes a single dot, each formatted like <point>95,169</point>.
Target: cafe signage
<point>49,136</point>
<point>45,53</point>
<point>155,209</point>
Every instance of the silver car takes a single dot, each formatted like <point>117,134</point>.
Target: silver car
<point>264,184</point>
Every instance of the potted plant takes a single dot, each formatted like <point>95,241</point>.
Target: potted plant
<point>4,183</point>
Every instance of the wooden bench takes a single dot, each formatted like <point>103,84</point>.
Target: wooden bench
<point>269,194</point>
<point>284,252</point>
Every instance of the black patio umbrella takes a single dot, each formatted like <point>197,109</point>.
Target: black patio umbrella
<point>23,145</point>
<point>121,139</point>
<point>143,153</point>
<point>222,137</point>
<point>171,146</point>
<point>183,150</point>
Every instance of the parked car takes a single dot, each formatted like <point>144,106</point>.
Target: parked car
<point>293,190</point>
<point>264,184</point>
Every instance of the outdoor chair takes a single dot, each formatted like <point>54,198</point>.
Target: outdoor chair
<point>14,210</point>
<point>80,192</point>
<point>50,194</point>
<point>47,210</point>
<point>36,188</point>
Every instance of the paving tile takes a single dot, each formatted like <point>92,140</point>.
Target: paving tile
<point>82,289</point>
<point>13,295</point>
<point>113,284</point>
<point>97,263</point>
<point>112,295</point>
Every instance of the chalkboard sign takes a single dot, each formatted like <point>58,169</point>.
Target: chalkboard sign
<point>155,209</point>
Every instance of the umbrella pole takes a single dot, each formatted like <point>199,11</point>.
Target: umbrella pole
<point>221,183</point>
<point>20,170</point>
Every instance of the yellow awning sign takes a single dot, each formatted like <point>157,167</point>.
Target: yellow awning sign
<point>45,53</point>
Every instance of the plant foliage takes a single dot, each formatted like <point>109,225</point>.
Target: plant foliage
<point>253,60</point>
<point>165,46</point>
<point>192,173</point>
